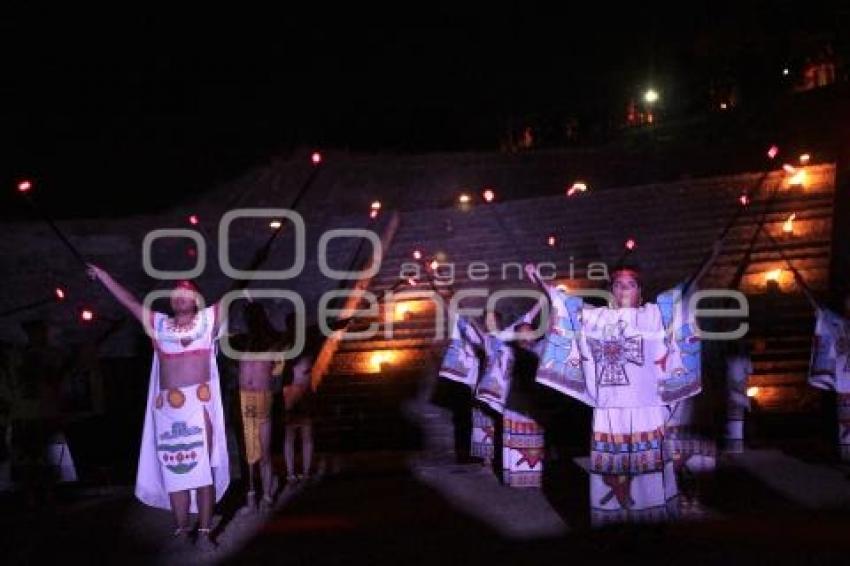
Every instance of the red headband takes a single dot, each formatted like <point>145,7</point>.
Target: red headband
<point>625,271</point>
<point>187,285</point>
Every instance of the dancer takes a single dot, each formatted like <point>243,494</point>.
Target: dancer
<point>496,430</point>
<point>523,448</point>
<point>830,365</point>
<point>183,465</point>
<point>629,361</point>
<point>256,394</point>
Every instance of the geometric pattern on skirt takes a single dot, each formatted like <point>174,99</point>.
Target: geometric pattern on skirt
<point>522,451</point>
<point>692,447</point>
<point>632,477</point>
<point>627,453</point>
<point>483,434</point>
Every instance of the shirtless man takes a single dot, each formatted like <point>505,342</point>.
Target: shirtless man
<point>256,396</point>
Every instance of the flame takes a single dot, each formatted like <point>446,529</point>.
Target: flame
<point>773,275</point>
<point>401,309</point>
<point>578,187</point>
<point>376,359</point>
<point>798,179</point>
<point>752,391</point>
<point>790,169</point>
<point>788,225</point>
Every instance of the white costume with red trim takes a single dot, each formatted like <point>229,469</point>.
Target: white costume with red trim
<point>174,452</point>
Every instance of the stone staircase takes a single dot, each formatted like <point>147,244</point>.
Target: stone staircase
<point>370,381</point>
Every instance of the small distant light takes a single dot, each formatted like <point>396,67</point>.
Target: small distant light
<point>87,315</point>
<point>790,169</point>
<point>373,213</point>
<point>786,71</point>
<point>191,252</point>
<point>551,240</point>
<point>464,199</point>
<point>744,200</point>
<point>805,158</point>
<point>489,195</point>
<point>24,186</point>
<point>60,294</point>
<point>316,158</point>
<point>798,179</point>
<point>193,220</point>
<point>434,264</point>
<point>577,187</point>
<point>752,392</point>
<point>631,244</point>
<point>723,106</point>
<point>417,254</point>
<point>651,96</point>
<point>773,151</point>
<point>788,225</point>
<point>275,224</point>
<point>376,205</point>
<point>411,281</point>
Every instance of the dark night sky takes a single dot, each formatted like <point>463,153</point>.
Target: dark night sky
<point>146,106</point>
